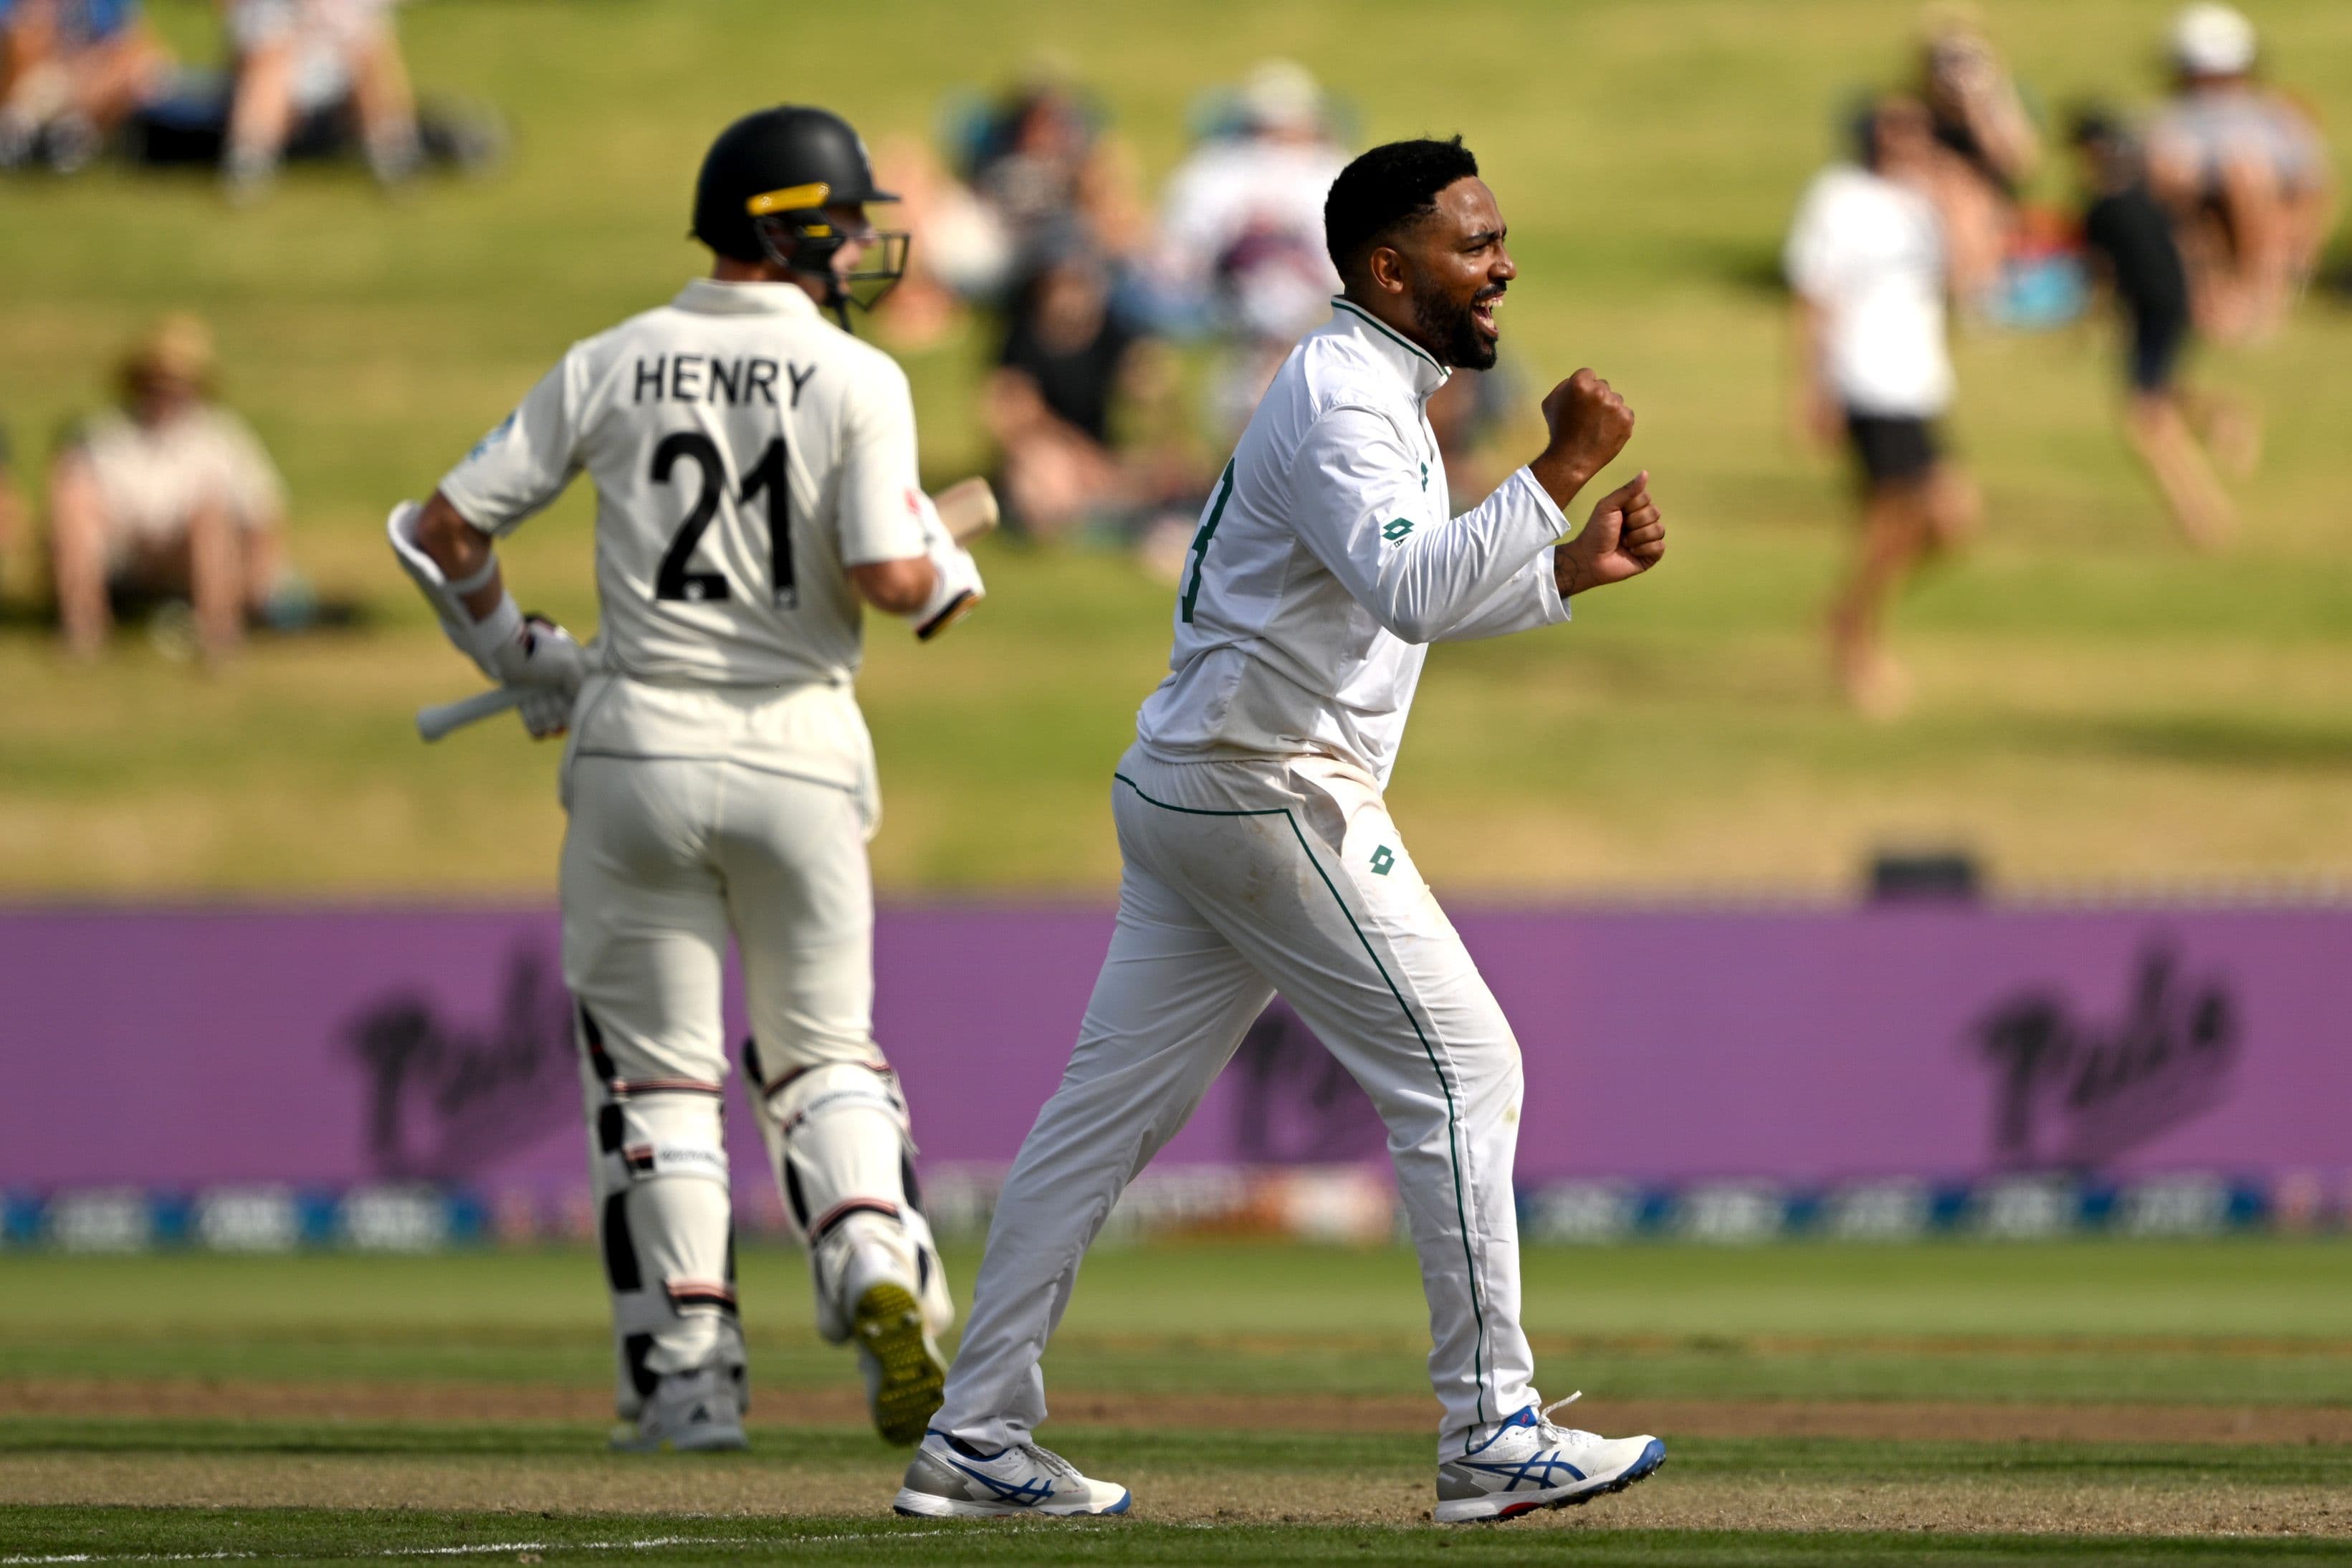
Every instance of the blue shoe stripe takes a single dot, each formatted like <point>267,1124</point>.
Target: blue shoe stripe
<point>1536,1472</point>
<point>1028,1493</point>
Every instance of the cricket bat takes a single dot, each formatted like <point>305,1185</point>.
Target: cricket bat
<point>967,509</point>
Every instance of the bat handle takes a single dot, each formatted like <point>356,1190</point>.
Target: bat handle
<point>442,718</point>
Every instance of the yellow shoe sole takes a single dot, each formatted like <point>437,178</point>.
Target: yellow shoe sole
<point>906,1374</point>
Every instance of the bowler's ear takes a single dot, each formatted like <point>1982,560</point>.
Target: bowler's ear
<point>1384,268</point>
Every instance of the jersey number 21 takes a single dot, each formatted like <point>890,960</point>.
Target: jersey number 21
<point>675,580</point>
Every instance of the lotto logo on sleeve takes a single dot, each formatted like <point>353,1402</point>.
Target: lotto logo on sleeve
<point>1397,530</point>
<point>1384,860</point>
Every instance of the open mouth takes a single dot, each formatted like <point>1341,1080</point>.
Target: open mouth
<point>1481,312</point>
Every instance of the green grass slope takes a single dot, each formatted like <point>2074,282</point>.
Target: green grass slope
<point>2097,704</point>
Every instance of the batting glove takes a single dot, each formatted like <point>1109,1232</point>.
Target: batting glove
<point>956,584</point>
<point>549,665</point>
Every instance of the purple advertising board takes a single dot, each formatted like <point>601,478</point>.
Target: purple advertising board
<point>334,1047</point>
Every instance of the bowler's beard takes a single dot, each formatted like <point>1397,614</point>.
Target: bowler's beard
<point>1451,328</point>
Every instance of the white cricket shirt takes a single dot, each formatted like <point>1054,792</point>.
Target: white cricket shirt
<point>1869,253</point>
<point>1328,557</point>
<point>745,453</point>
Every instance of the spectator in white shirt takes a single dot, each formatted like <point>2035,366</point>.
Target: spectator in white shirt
<point>1865,262</point>
<point>1241,251</point>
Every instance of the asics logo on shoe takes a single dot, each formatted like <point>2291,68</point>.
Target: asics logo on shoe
<point>1536,1471</point>
<point>1034,1491</point>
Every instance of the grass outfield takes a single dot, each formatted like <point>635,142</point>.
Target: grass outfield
<point>2096,703</point>
<point>2116,1402</point>
<point>100,1535</point>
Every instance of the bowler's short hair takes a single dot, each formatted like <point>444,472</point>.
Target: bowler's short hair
<point>1386,189</point>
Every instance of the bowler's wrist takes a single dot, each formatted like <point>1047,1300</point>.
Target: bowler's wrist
<point>1568,573</point>
<point>1562,475</point>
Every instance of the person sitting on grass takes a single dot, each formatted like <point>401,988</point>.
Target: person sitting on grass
<point>2131,244</point>
<point>168,496</point>
<point>297,60</point>
<point>2245,175</point>
<point>70,72</point>
<point>1081,406</point>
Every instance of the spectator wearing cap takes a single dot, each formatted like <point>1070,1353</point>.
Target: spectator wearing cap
<point>166,496</point>
<point>2244,173</point>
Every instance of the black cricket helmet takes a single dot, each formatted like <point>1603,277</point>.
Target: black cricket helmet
<point>762,194</point>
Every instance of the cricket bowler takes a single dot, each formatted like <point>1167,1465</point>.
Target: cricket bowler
<point>1259,855</point>
<point>755,477</point>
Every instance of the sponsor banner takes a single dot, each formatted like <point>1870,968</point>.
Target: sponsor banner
<point>1343,1204</point>
<point>1733,1055</point>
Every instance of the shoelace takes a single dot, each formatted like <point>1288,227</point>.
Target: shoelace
<point>1049,1460</point>
<point>1565,1434</point>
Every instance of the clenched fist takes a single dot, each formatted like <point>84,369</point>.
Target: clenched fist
<point>1624,539</point>
<point>1589,426</point>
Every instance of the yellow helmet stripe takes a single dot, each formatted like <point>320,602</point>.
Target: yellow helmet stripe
<point>789,199</point>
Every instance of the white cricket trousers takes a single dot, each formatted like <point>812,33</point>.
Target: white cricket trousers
<point>662,858</point>
<point>1242,879</point>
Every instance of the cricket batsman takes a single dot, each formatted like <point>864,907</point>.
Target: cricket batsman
<point>755,477</point>
<point>1260,856</point>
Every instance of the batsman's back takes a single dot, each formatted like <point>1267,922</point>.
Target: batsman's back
<point>745,453</point>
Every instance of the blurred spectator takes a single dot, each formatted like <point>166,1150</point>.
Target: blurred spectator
<point>1988,144</point>
<point>1068,363</point>
<point>1241,251</point>
<point>70,72</point>
<point>1028,176</point>
<point>1466,415</point>
<point>2130,239</point>
<point>2244,173</point>
<point>297,60</point>
<point>11,507</point>
<point>167,497</point>
<point>1865,261</point>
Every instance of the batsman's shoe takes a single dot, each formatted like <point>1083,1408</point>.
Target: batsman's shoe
<point>904,1373</point>
<point>1530,1463</point>
<point>691,1413</point>
<point>951,1478</point>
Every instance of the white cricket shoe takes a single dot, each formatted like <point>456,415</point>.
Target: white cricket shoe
<point>950,1479</point>
<point>690,1413</point>
<point>1529,1464</point>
